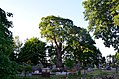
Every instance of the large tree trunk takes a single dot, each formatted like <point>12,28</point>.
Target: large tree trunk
<point>59,58</point>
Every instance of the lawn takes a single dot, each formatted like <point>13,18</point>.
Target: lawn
<point>95,74</point>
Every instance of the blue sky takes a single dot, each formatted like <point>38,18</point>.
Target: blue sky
<point>27,15</point>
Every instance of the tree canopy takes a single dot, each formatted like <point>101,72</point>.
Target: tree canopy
<point>56,30</point>
<point>7,67</point>
<point>102,16</point>
<point>6,39</point>
<point>33,51</point>
<point>63,34</point>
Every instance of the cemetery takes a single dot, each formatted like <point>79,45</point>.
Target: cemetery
<point>61,49</point>
<point>66,73</point>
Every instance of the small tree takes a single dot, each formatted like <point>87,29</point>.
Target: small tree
<point>33,51</point>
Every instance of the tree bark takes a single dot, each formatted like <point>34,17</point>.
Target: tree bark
<point>59,58</point>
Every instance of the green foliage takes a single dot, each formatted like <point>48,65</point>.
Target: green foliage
<point>7,67</point>
<point>6,42</point>
<point>51,54</point>
<point>82,47</point>
<point>102,16</point>
<point>32,52</point>
<point>69,62</point>
<point>56,30</point>
<point>20,68</point>
<point>17,48</point>
<point>117,57</point>
<point>29,68</point>
<point>26,68</point>
<point>65,37</point>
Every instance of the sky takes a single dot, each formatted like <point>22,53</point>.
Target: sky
<point>28,13</point>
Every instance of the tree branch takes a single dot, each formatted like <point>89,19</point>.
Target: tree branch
<point>55,42</point>
<point>65,48</point>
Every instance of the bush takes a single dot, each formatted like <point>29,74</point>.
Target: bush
<point>69,63</point>
<point>28,68</point>
<point>54,70</point>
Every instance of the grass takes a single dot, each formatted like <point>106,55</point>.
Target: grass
<point>39,77</point>
<point>95,73</point>
<point>101,72</point>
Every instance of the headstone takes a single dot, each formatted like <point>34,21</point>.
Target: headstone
<point>46,72</point>
<point>95,66</point>
<point>36,72</point>
<point>89,69</point>
<point>54,67</point>
<point>100,66</point>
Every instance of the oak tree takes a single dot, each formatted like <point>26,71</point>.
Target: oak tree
<point>62,33</point>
